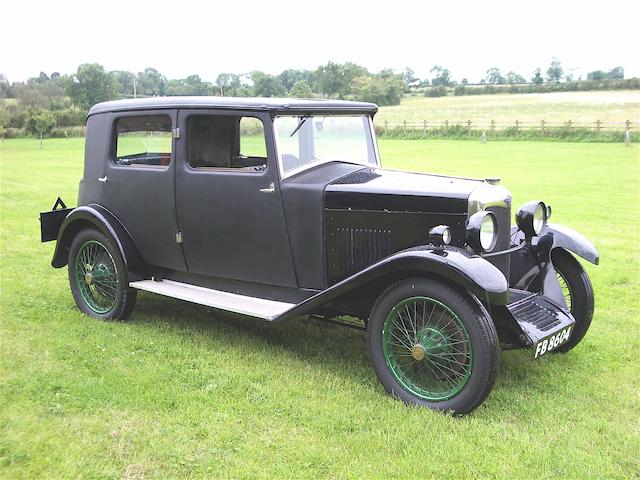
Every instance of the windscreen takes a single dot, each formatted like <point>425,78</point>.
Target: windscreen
<point>304,141</point>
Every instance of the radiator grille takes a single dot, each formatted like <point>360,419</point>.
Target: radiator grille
<point>503,217</point>
<point>361,247</point>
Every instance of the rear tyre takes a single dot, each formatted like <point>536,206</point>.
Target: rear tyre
<point>578,294</point>
<point>98,277</point>
<point>433,346</point>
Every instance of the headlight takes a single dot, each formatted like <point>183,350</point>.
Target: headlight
<point>440,235</point>
<point>482,231</point>
<point>532,218</point>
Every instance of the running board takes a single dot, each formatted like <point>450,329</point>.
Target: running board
<point>232,302</point>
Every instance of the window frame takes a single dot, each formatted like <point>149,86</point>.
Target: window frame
<point>113,153</point>
<point>185,118</point>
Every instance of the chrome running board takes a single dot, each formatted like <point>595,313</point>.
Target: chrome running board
<point>232,302</point>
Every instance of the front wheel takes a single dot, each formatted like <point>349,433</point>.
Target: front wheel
<point>578,293</point>
<point>433,346</point>
<point>98,277</point>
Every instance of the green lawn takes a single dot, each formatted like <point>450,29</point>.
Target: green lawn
<point>186,391</point>
<point>614,106</point>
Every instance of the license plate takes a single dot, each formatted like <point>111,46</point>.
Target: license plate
<point>550,343</point>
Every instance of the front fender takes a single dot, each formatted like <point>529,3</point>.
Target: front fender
<point>96,216</point>
<point>470,272</point>
<point>532,268</point>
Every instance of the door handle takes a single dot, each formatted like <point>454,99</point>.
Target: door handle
<point>271,189</point>
<point>103,179</point>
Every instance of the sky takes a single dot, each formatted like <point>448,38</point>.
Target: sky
<point>206,38</point>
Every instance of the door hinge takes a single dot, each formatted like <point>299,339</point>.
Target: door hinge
<point>178,237</point>
<point>176,133</point>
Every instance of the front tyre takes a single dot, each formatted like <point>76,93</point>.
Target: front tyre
<point>578,294</point>
<point>98,277</point>
<point>433,346</point>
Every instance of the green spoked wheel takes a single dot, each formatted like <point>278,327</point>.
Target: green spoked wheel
<point>98,277</point>
<point>427,348</point>
<point>433,345</point>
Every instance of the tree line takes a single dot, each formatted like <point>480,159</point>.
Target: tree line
<point>45,101</point>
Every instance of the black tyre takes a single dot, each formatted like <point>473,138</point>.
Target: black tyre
<point>98,277</point>
<point>578,293</point>
<point>431,345</point>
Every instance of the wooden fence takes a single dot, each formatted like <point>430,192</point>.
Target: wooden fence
<point>494,126</point>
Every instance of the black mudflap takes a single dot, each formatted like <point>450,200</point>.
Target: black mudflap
<point>545,325</point>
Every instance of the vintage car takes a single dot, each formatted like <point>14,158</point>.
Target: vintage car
<point>277,208</point>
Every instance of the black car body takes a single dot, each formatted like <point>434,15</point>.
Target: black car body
<point>277,208</point>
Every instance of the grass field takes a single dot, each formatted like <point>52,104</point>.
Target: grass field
<point>186,391</point>
<point>608,107</point>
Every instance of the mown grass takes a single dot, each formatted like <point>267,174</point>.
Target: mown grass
<point>186,391</point>
<point>608,107</point>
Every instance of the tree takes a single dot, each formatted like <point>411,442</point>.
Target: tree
<point>301,89</point>
<point>151,82</point>
<point>442,76</point>
<point>228,84</point>
<point>512,77</point>
<point>555,71</point>
<point>41,122</point>
<point>337,79</point>
<point>5,87</point>
<point>265,85</point>
<point>494,76</point>
<point>409,78</point>
<point>537,77</point>
<point>616,74</point>
<point>597,75</point>
<point>124,83</point>
<point>465,81</point>
<point>90,85</point>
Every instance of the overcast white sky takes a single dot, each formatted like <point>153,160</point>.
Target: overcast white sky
<point>180,38</point>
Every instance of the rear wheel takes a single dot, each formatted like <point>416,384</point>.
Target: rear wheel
<point>98,277</point>
<point>431,345</point>
<point>578,294</point>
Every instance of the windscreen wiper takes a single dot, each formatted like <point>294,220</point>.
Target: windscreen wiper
<point>300,123</point>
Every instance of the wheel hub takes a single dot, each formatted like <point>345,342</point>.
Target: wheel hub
<point>418,352</point>
<point>88,277</point>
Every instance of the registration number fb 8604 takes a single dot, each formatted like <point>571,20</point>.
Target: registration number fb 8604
<point>552,342</point>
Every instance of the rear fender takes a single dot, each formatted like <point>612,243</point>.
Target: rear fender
<point>470,272</point>
<point>96,216</point>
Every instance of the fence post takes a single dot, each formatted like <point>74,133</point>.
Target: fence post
<point>569,123</point>
<point>627,133</point>
<point>517,125</point>
<point>598,122</point>
<point>469,124</point>
<point>542,126</point>
<point>404,126</point>
<point>446,125</point>
<point>627,125</point>
<point>493,126</point>
<point>424,127</point>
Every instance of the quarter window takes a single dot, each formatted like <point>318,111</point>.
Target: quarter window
<point>143,140</point>
<point>227,142</point>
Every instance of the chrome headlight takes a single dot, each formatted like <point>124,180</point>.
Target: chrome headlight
<point>440,235</point>
<point>482,231</point>
<point>532,217</point>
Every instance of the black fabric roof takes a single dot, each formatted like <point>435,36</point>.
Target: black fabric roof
<point>279,105</point>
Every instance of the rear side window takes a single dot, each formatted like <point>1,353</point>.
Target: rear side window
<point>226,142</point>
<point>143,140</point>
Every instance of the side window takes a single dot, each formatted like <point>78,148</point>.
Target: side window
<point>226,142</point>
<point>143,140</point>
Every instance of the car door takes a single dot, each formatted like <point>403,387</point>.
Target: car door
<point>228,198</point>
<point>138,183</point>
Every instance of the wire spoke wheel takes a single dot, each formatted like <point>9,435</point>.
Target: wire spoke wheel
<point>427,348</point>
<point>566,290</point>
<point>97,277</point>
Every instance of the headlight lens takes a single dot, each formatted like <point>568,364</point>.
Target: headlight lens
<point>532,218</point>
<point>440,235</point>
<point>488,233</point>
<point>482,231</point>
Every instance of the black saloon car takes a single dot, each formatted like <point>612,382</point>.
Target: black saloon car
<point>278,208</point>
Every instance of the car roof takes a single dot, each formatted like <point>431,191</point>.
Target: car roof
<point>276,105</point>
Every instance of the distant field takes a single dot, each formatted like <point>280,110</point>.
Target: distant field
<point>183,391</point>
<point>611,107</point>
